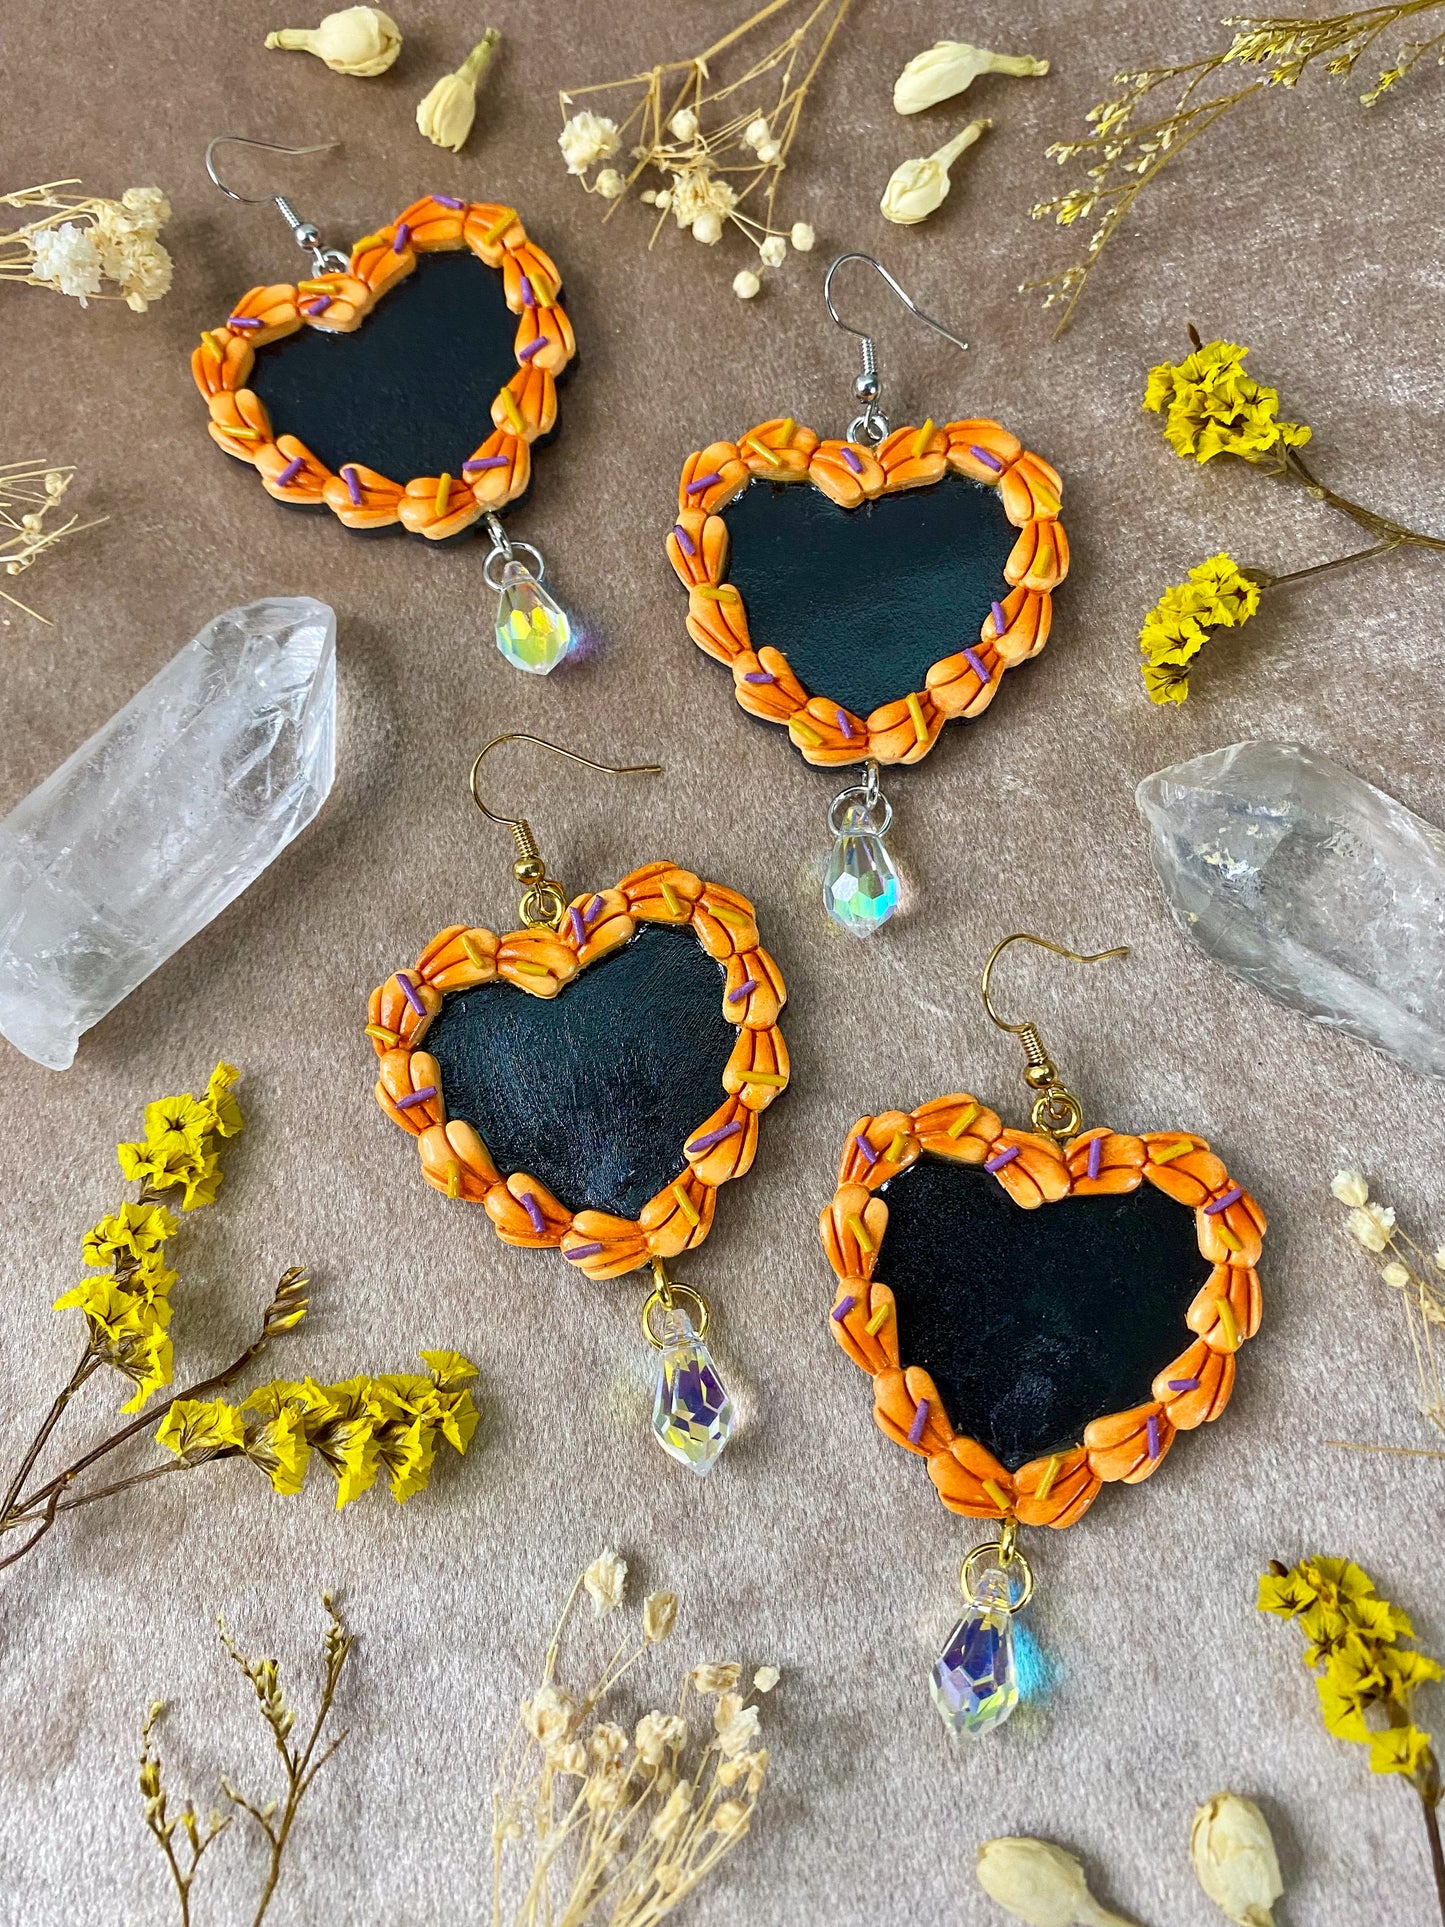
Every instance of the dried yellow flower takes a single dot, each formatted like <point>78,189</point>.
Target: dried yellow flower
<point>659,1616</point>
<point>1234,1859</point>
<point>361,41</point>
<point>916,188</point>
<point>950,68</point>
<point>445,115</point>
<point>605,1581</point>
<point>1350,1188</point>
<point>1040,1884</point>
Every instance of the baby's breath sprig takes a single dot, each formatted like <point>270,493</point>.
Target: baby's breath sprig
<point>589,1823</point>
<point>1414,1275</point>
<point>184,1838</point>
<point>82,242</point>
<point>720,148</point>
<point>30,493</point>
<point>1122,154</point>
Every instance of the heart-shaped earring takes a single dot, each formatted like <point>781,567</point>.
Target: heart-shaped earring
<point>591,1080</point>
<point>865,591</point>
<point>427,418</point>
<point>1030,1355</point>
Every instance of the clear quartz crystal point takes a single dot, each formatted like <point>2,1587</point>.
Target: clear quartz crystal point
<point>152,827</point>
<point>533,631</point>
<point>1312,885</point>
<point>692,1414</point>
<point>975,1683</point>
<point>860,887</point>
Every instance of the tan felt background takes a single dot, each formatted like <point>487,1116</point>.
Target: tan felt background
<point>1310,230</point>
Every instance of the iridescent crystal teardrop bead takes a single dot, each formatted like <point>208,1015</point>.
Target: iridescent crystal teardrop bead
<point>533,631</point>
<point>860,888</point>
<point>692,1414</point>
<point>975,1682</point>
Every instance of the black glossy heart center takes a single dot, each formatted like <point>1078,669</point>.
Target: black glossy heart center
<point>595,1091</point>
<point>1032,1323</point>
<point>863,601</point>
<point>410,392</point>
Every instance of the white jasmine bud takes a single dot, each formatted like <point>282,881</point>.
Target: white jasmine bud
<point>1235,1861</point>
<point>803,237</point>
<point>918,187</point>
<point>361,41</point>
<point>745,284</point>
<point>445,115</point>
<point>1350,1188</point>
<point>1040,1884</point>
<point>774,251</point>
<point>950,68</point>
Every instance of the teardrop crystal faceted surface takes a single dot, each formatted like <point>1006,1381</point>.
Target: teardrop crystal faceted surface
<point>533,630</point>
<point>692,1414</point>
<point>860,888</point>
<point>975,1682</point>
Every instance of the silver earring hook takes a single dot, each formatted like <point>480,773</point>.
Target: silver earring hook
<point>307,235</point>
<point>872,423</point>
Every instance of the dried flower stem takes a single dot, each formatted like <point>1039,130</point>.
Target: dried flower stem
<point>1412,1273</point>
<point>1284,47</point>
<point>29,492</point>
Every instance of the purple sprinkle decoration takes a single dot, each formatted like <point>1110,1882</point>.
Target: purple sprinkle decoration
<point>1003,1158</point>
<point>1151,1433</point>
<point>529,298</point>
<point>1232,1196</point>
<point>416,1097</point>
<point>409,992</point>
<point>582,1251</point>
<point>534,1211</point>
<point>353,487</point>
<point>977,664</point>
<point>701,482</point>
<point>759,675</point>
<point>743,990</point>
<point>485,461</point>
<point>292,469</point>
<point>532,348</point>
<point>869,1154</point>
<point>448,200</point>
<point>1096,1151</point>
<point>579,929</point>
<point>920,1419</point>
<point>844,725</point>
<point>982,455</point>
<point>318,306</point>
<point>1184,1384</point>
<point>715,1137</point>
<point>843,1307</point>
<point>852,460</point>
<point>684,540</point>
<point>591,911</point>
<point>245,322</point>
<point>403,235</point>
<point>1000,620</point>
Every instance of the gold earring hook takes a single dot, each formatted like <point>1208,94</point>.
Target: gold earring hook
<point>544,903</point>
<point>1056,1111</point>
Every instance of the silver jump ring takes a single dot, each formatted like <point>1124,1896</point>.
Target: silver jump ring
<point>499,554</point>
<point>870,804</point>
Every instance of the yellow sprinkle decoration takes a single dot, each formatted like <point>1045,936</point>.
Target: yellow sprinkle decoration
<point>996,1492</point>
<point>805,733</point>
<point>1046,503</point>
<point>240,434</point>
<point>1227,1325</point>
<point>531,969</point>
<point>671,899</point>
<point>685,1205</point>
<point>1226,1237</point>
<point>855,1224</point>
<point>1174,1151</point>
<point>734,918</point>
<point>313,287</point>
<point>723,592</point>
<point>383,1036</point>
<point>915,710</point>
<point>211,342</point>
<point>897,1148</point>
<point>961,1123</point>
<point>512,412</point>
<point>761,448</point>
<point>542,294</point>
<point>1046,1483</point>
<point>498,228</point>
<point>371,241</point>
<point>444,493</point>
<point>786,433</point>
<point>923,438</point>
<point>774,1080</point>
<point>474,950</point>
<point>877,1321</point>
<point>454,1179</point>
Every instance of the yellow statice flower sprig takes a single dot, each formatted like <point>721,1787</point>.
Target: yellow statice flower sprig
<point>1212,407</point>
<point>1366,1673</point>
<point>1217,595</point>
<point>179,1147</point>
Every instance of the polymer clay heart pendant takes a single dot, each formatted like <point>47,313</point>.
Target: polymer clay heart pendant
<point>592,1079</point>
<point>1041,1312</point>
<point>405,383</point>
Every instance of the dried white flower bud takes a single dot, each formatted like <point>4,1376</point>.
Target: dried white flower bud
<point>673,1814</point>
<point>605,1580</point>
<point>768,152</point>
<point>683,126</point>
<point>659,1616</point>
<point>737,1725</point>
<point>1235,1861</point>
<point>607,1744</point>
<point>548,1715</point>
<point>361,41</point>
<point>609,184</point>
<point>571,1758</point>
<point>716,1676</point>
<point>948,68</point>
<point>803,237</point>
<point>757,132</point>
<point>1350,1188</point>
<point>918,187</point>
<point>659,1733</point>
<point>663,198</point>
<point>773,250</point>
<point>1370,1226</point>
<point>730,1816</point>
<point>1396,1274</point>
<point>445,115</point>
<point>765,1679</point>
<point>707,228</point>
<point>586,138</point>
<point>1040,1884</point>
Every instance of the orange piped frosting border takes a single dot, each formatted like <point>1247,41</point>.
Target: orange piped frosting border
<point>542,961</point>
<point>850,473</point>
<point>435,506</point>
<point>1059,1488</point>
